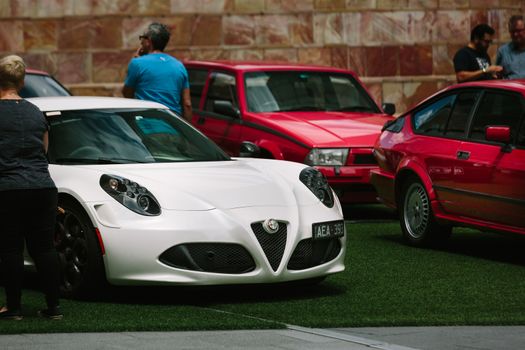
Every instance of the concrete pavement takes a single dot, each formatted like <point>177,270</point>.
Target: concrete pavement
<point>300,338</point>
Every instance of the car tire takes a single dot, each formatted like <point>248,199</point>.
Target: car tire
<point>82,267</point>
<point>417,220</point>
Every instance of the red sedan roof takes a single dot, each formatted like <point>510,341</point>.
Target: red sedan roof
<point>36,71</point>
<point>505,84</point>
<point>514,84</point>
<point>262,65</point>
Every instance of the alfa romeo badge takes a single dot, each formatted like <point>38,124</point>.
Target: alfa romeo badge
<point>270,226</point>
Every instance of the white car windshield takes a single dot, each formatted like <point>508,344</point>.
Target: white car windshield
<point>277,91</point>
<point>126,136</point>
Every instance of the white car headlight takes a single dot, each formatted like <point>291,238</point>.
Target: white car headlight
<point>316,182</point>
<point>130,194</point>
<point>327,156</point>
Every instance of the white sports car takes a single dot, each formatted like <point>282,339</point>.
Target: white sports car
<point>147,199</point>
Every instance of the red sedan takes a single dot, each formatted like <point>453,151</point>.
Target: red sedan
<point>320,116</point>
<point>38,83</point>
<point>457,158</point>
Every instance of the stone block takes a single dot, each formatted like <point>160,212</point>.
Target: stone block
<point>110,67</point>
<point>185,6</point>
<point>352,28</point>
<point>478,17</point>
<point>414,92</point>
<point>415,60</point>
<point>72,68</point>
<point>357,60</point>
<point>499,20</point>
<point>339,56</point>
<point>206,30</point>
<point>302,30</point>
<point>180,54</point>
<point>5,9</point>
<point>328,28</point>
<point>154,7</point>
<point>281,55</point>
<point>354,5</point>
<point>287,6</point>
<point>238,30</point>
<point>392,4</point>
<point>247,55</point>
<point>181,29</point>
<point>484,4</point>
<point>382,61</point>
<point>422,4</point>
<point>210,54</point>
<point>515,4</point>
<point>100,33</point>
<point>330,4</point>
<point>106,7</point>
<point>74,34</point>
<point>315,55</point>
<point>106,33</point>
<point>393,93</point>
<point>40,35</point>
<point>11,36</point>
<point>272,30</point>
<point>216,6</point>
<point>442,58</point>
<point>396,27</point>
<point>42,61</point>
<point>52,8</point>
<point>249,6</point>
<point>453,4</point>
<point>376,91</point>
<point>451,27</point>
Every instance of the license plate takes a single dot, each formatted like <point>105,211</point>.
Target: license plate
<point>329,229</point>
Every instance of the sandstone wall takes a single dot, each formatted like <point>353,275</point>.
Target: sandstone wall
<point>401,49</point>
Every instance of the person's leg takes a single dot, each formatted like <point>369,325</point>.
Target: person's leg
<point>40,242</point>
<point>12,247</point>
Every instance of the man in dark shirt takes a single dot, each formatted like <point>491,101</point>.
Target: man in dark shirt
<point>472,61</point>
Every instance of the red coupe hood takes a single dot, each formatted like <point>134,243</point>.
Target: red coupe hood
<point>327,129</point>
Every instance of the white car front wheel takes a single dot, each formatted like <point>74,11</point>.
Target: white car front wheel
<point>79,252</point>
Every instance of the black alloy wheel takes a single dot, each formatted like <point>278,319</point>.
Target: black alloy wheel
<point>82,267</point>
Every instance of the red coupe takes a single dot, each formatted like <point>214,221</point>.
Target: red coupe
<point>320,116</point>
<point>457,158</point>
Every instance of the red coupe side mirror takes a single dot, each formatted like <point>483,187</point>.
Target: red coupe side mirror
<point>498,134</point>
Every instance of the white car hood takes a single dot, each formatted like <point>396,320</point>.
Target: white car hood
<point>191,186</point>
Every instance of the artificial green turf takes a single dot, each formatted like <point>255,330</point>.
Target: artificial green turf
<point>478,278</point>
<point>138,315</point>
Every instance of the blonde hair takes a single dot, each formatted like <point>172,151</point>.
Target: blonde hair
<point>12,72</point>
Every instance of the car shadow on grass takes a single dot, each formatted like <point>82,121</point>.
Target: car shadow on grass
<point>504,248</point>
<point>204,295</point>
<point>368,212</point>
<point>210,295</point>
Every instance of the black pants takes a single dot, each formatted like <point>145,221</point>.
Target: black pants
<point>29,216</point>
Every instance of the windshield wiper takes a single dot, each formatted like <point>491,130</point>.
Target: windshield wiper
<point>97,161</point>
<point>124,160</point>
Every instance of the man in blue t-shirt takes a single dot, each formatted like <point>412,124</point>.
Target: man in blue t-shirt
<point>156,76</point>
